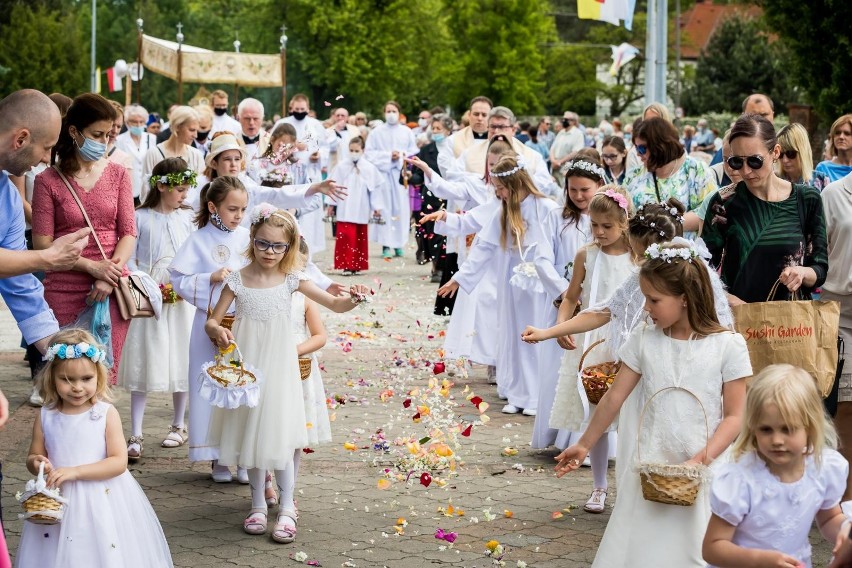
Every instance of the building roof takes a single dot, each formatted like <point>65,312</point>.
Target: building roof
<point>699,23</point>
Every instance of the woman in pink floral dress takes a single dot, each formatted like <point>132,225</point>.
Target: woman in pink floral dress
<point>104,189</point>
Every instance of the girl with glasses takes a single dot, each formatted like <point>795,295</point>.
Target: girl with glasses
<point>614,156</point>
<point>840,150</point>
<point>767,228</point>
<point>796,162</point>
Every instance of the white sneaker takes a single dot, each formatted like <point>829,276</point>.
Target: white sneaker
<point>509,409</point>
<point>242,475</point>
<point>35,398</point>
<point>529,412</point>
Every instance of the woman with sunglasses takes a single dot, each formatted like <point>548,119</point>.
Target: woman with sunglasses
<point>766,228</point>
<point>840,150</point>
<point>668,171</point>
<point>796,162</point>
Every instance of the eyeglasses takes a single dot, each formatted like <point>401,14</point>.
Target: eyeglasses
<point>277,248</point>
<point>790,154</point>
<point>499,127</point>
<point>641,149</point>
<point>611,157</point>
<point>753,162</point>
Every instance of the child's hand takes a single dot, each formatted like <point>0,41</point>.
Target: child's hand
<point>436,216</point>
<point>223,337</point>
<point>59,476</point>
<point>774,559</point>
<point>359,293</point>
<point>567,342</point>
<point>36,460</point>
<point>449,289</point>
<point>842,536</point>
<point>570,459</point>
<point>219,275</point>
<point>532,335</point>
<point>336,289</point>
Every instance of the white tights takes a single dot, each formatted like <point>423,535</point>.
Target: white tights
<point>599,457</point>
<point>137,410</point>
<point>284,478</point>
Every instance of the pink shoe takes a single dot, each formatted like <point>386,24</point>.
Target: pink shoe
<point>285,527</point>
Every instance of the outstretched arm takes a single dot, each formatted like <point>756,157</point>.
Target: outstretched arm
<point>338,304</point>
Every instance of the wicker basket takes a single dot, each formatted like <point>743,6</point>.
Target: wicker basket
<point>228,319</point>
<point>40,508</point>
<point>671,484</point>
<point>598,378</point>
<point>305,367</point>
<point>228,382</point>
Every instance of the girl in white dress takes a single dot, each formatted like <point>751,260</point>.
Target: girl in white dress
<point>599,269</point>
<point>507,240</point>
<point>158,361</point>
<point>784,475</point>
<point>267,436</point>
<point>686,356</point>
<point>555,266</point>
<point>108,521</point>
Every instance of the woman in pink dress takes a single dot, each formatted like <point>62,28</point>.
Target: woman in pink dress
<point>104,189</point>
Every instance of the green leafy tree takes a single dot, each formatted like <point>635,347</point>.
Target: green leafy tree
<point>571,83</point>
<point>739,60</point>
<point>820,52</point>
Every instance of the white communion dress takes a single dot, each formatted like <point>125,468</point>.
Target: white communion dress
<point>313,390</point>
<point>107,523</point>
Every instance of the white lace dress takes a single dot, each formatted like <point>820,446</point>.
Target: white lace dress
<point>313,390</point>
<point>108,523</point>
<point>571,409</point>
<point>771,515</point>
<point>646,533</point>
<point>267,435</point>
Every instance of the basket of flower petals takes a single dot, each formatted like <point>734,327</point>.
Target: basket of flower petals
<point>228,382</point>
<point>41,505</point>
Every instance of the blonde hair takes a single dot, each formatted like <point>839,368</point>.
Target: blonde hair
<point>659,109</point>
<point>293,259</point>
<point>687,278</point>
<point>510,217</point>
<point>795,137</point>
<point>795,394</point>
<point>52,371</point>
<point>180,116</point>
<point>603,204</point>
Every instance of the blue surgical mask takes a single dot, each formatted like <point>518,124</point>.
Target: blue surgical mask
<point>438,138</point>
<point>91,150</point>
<point>137,130</point>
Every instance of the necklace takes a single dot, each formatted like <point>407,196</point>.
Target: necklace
<point>673,168</point>
<point>88,173</point>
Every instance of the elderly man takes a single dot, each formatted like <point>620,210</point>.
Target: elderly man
<point>338,136</point>
<point>567,143</point>
<point>759,104</point>
<point>424,123</point>
<point>221,120</point>
<point>705,140</point>
<point>29,127</point>
<point>255,138</point>
<point>473,134</point>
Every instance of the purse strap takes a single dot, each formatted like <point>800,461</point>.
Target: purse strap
<point>82,210</point>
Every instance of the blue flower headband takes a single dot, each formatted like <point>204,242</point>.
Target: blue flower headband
<point>66,351</point>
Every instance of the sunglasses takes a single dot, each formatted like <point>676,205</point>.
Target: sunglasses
<point>754,162</point>
<point>641,149</point>
<point>790,154</point>
<point>277,248</point>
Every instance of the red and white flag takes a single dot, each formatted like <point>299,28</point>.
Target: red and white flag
<point>114,80</point>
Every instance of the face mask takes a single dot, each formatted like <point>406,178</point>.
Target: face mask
<point>201,136</point>
<point>422,122</point>
<point>628,137</point>
<point>392,117</point>
<point>299,115</point>
<point>137,130</point>
<point>566,123</point>
<point>355,156</point>
<point>220,111</point>
<point>91,150</point>
<point>438,138</point>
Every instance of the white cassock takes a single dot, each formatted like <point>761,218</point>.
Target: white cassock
<point>364,186</point>
<point>382,142</point>
<point>224,123</point>
<point>206,251</point>
<point>554,264</point>
<point>337,145</point>
<point>125,143</point>
<point>472,331</point>
<point>517,362</point>
<point>158,361</point>
<point>453,148</point>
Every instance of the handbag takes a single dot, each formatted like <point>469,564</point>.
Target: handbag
<point>131,295</point>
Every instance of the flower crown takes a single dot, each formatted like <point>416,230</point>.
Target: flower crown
<point>671,254</point>
<point>618,198</point>
<point>82,349</point>
<point>676,216</point>
<point>264,211</point>
<point>585,166</point>
<point>522,164</point>
<point>175,178</point>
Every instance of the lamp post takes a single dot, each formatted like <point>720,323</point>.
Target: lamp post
<point>180,63</point>
<point>139,23</point>
<point>283,41</point>
<point>237,45</point>
<point>94,69</point>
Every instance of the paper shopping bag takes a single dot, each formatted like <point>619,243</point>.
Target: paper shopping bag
<point>800,333</point>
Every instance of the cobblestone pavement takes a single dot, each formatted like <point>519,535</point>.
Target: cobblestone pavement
<point>351,509</point>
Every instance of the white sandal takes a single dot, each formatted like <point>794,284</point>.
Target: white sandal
<point>175,438</point>
<point>134,447</point>
<point>597,501</point>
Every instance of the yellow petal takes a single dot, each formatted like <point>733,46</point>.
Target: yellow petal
<point>350,446</point>
<point>383,484</point>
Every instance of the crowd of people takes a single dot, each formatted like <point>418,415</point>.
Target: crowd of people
<point>626,245</point>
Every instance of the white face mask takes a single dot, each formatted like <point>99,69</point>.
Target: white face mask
<point>355,156</point>
<point>392,117</point>
<point>422,122</point>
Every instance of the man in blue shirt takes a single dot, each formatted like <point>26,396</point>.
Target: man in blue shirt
<point>29,127</point>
